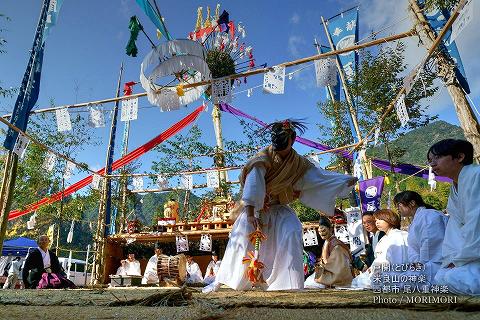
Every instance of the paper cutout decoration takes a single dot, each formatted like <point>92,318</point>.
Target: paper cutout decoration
<point>402,112</point>
<point>206,243</point>
<point>212,179</point>
<point>222,91</point>
<point>63,120</point>
<point>326,72</point>
<point>162,182</point>
<point>310,238</point>
<point>49,162</point>
<point>274,81</point>
<point>70,232</point>
<point>377,135</point>
<point>466,15</point>
<point>69,167</point>
<point>21,145</point>
<point>96,179</point>
<point>355,229</point>
<point>313,158</point>
<point>340,231</point>
<point>137,183</point>
<point>186,182</point>
<point>97,118</point>
<point>129,109</point>
<point>431,179</point>
<point>32,222</point>
<point>182,243</point>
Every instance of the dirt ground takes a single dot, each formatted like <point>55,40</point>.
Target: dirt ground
<point>190,303</point>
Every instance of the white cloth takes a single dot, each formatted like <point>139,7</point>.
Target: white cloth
<point>425,238</point>
<point>212,271</point>
<point>375,239</point>
<point>461,245</point>
<point>130,268</point>
<point>282,251</point>
<point>310,283</point>
<point>150,276</point>
<point>392,249</point>
<point>46,258</point>
<point>15,268</point>
<point>194,274</point>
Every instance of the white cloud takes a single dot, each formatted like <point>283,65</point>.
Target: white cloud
<point>295,18</point>
<point>124,8</point>
<point>293,45</point>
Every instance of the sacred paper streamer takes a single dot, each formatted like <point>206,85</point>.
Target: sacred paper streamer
<point>70,232</point>
<point>32,222</point>
<point>162,182</point>
<point>206,243</point>
<point>96,179</point>
<point>274,81</point>
<point>137,183</point>
<point>21,145</point>
<point>97,118</point>
<point>402,112</point>
<point>249,92</point>
<point>182,243</point>
<point>212,179</point>
<point>186,182</point>
<point>310,238</point>
<point>129,109</point>
<point>49,162</point>
<point>431,179</point>
<point>326,72</point>
<point>69,167</point>
<point>221,91</point>
<point>355,229</point>
<point>63,120</point>
<point>377,135</point>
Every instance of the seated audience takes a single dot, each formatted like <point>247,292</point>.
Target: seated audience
<point>194,274</point>
<point>212,269</point>
<point>373,236</point>
<point>129,266</point>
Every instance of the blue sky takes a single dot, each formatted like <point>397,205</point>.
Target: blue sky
<point>85,49</point>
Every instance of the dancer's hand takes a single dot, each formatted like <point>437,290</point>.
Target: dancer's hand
<point>255,222</point>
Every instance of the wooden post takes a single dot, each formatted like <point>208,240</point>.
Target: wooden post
<point>6,192</point>
<point>99,244</point>
<point>465,114</point>
<point>353,112</point>
<point>219,156</point>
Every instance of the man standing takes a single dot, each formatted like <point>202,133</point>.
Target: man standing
<point>38,261</point>
<point>129,266</point>
<point>374,235</point>
<point>13,274</point>
<point>461,246</point>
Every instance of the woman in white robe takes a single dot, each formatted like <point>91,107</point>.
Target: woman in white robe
<point>425,233</point>
<point>391,250</point>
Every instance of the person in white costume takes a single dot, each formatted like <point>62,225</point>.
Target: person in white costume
<point>212,269</point>
<point>150,275</point>
<point>425,233</point>
<point>391,250</point>
<point>129,266</point>
<point>271,180</point>
<point>460,269</point>
<point>194,274</point>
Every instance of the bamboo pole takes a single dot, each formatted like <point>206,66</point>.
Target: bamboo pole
<point>432,49</point>
<point>239,75</point>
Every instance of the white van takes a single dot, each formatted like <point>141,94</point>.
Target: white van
<point>77,271</point>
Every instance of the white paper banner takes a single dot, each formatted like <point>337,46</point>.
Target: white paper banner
<point>32,222</point>
<point>212,179</point>
<point>466,15</point>
<point>377,135</point>
<point>63,120</point>
<point>50,160</point>
<point>97,118</point>
<point>355,229</point>
<point>70,166</point>
<point>21,145</point>
<point>182,243</point>
<point>274,81</point>
<point>162,182</point>
<point>96,179</point>
<point>326,72</point>
<point>340,231</point>
<point>222,91</point>
<point>137,183</point>
<point>186,182</point>
<point>431,179</point>
<point>402,112</point>
<point>206,243</point>
<point>129,109</point>
<point>70,232</point>
<point>310,238</point>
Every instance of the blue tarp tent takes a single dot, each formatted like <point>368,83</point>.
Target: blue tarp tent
<point>18,246</point>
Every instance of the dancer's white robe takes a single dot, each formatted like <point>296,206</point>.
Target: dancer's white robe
<point>461,245</point>
<point>282,251</point>
<point>194,274</point>
<point>425,238</point>
<point>391,250</point>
